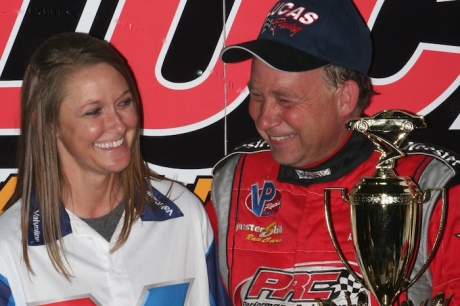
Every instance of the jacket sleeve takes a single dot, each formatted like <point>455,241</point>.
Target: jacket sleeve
<point>445,268</point>
<point>6,296</point>
<point>218,210</point>
<point>443,273</point>
<point>211,212</point>
<point>218,294</point>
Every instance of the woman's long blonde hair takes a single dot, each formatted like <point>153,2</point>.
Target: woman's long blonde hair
<point>39,170</point>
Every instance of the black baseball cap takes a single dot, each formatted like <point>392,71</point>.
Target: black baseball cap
<point>302,35</point>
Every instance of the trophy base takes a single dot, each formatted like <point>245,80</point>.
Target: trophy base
<point>363,300</point>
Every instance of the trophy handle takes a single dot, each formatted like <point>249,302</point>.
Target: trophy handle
<point>330,228</point>
<point>426,197</point>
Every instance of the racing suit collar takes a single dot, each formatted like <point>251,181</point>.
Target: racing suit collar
<point>355,151</point>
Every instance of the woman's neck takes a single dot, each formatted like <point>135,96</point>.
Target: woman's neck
<point>88,198</point>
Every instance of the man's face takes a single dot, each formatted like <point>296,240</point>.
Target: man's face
<point>297,113</point>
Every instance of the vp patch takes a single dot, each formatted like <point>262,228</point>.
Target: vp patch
<point>264,201</point>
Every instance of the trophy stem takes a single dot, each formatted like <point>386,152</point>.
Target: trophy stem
<point>384,173</point>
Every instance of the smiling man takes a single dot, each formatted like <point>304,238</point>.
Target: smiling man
<point>308,79</point>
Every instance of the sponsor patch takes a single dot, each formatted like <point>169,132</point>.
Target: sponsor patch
<point>302,285</point>
<point>264,201</point>
<point>263,234</point>
<point>306,175</point>
<point>446,155</point>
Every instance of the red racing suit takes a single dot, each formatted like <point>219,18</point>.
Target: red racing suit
<point>274,245</point>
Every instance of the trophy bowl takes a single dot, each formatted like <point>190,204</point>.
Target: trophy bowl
<point>386,212</point>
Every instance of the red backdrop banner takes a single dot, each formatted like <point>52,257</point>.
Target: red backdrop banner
<point>194,105</point>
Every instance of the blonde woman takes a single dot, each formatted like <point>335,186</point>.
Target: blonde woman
<point>89,223</point>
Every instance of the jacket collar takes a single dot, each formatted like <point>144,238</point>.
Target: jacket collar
<point>355,151</point>
<point>162,210</point>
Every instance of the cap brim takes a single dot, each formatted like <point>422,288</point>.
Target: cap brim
<point>277,55</point>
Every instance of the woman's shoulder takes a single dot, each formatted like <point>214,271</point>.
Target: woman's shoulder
<point>178,194</point>
<point>10,221</point>
<point>11,212</point>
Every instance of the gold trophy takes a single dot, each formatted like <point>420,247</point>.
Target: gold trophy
<point>386,212</point>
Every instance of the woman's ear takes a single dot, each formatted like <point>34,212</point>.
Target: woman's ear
<point>348,97</point>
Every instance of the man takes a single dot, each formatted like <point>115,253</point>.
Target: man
<point>308,78</point>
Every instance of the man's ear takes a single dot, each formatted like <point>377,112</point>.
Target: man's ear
<point>55,130</point>
<point>348,97</point>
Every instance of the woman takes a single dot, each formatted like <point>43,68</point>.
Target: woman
<point>89,223</point>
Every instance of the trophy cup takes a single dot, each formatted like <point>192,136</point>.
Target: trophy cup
<point>386,212</point>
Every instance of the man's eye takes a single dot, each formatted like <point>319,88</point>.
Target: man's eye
<point>93,112</point>
<point>284,101</point>
<point>255,96</point>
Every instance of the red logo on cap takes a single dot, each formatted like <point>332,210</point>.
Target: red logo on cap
<point>283,24</point>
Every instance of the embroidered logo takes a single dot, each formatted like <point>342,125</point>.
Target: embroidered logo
<point>447,156</point>
<point>263,234</point>
<point>265,201</point>
<point>259,144</point>
<point>281,23</point>
<point>305,175</point>
<point>270,286</point>
<point>36,226</point>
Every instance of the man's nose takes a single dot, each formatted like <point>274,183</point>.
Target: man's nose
<point>269,115</point>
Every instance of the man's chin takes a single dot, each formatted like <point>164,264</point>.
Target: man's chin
<point>284,159</point>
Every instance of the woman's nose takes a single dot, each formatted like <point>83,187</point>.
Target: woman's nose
<point>115,122</point>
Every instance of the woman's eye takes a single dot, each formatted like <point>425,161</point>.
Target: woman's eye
<point>126,102</point>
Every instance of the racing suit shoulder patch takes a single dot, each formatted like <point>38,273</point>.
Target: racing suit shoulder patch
<point>249,147</point>
<point>447,156</point>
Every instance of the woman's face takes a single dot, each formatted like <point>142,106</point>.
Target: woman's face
<point>98,122</point>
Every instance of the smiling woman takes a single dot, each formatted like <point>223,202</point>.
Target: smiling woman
<point>98,123</point>
<point>89,222</point>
